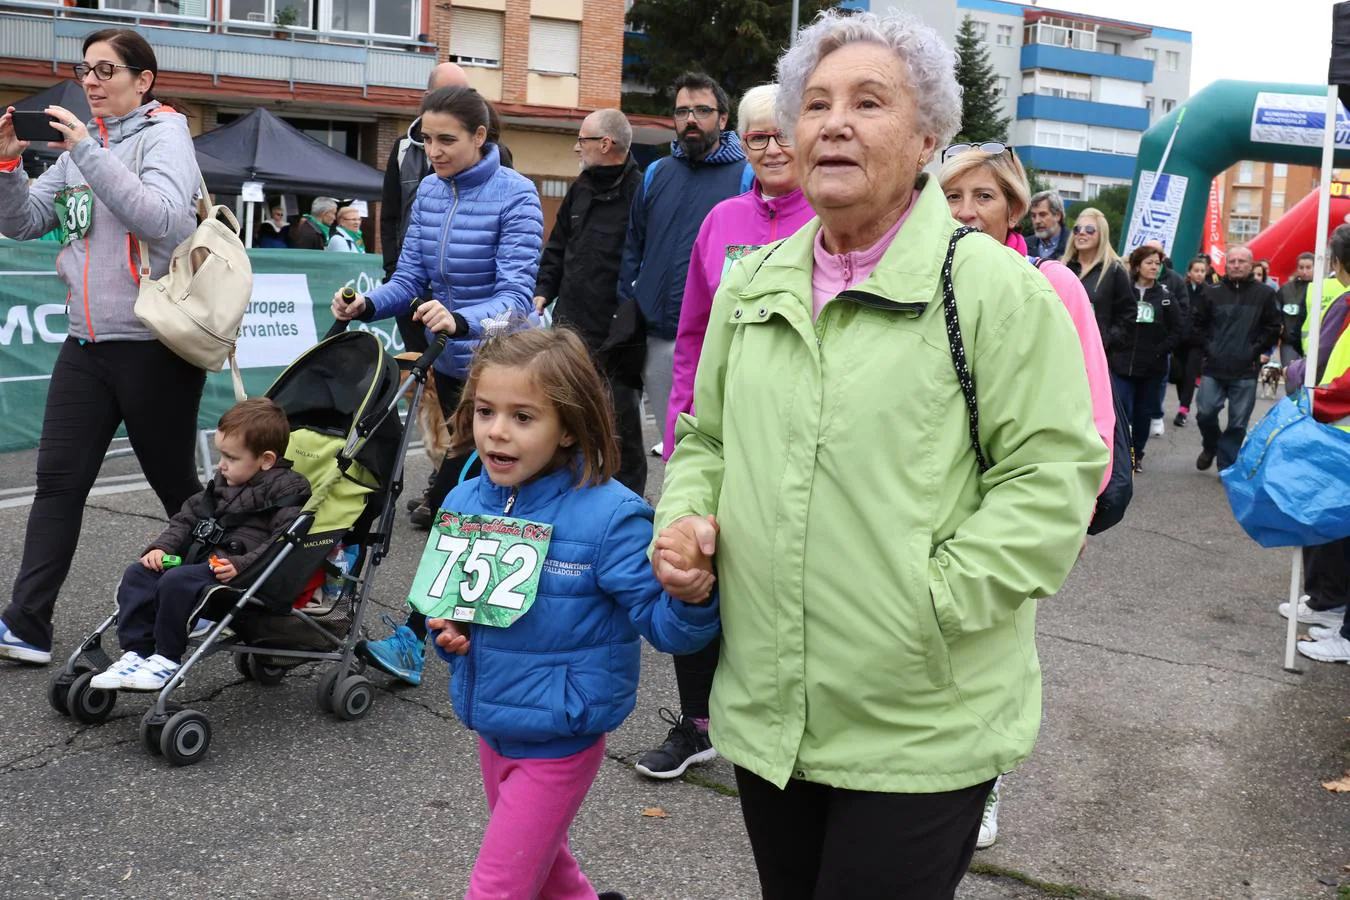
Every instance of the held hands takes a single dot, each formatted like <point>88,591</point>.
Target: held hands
<point>683,558</point>
<point>449,636</point>
<point>345,312</point>
<point>69,124</point>
<point>435,317</point>
<point>10,145</point>
<point>154,560</point>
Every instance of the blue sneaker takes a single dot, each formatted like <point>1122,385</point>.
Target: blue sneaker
<point>16,648</point>
<point>401,654</point>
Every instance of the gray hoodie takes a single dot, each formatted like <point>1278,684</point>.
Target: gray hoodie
<point>157,206</point>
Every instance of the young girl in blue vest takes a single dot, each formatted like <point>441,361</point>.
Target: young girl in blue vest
<point>543,692</point>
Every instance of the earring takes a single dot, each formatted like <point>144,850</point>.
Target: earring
<point>922,162</point>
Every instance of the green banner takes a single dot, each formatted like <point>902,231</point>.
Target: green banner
<point>289,312</point>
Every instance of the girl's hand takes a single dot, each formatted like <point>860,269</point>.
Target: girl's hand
<point>69,124</point>
<point>452,637</point>
<point>10,146</point>
<point>345,312</point>
<point>154,560</point>
<point>434,316</point>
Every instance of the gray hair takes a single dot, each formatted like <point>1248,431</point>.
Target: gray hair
<point>756,106</point>
<point>322,205</point>
<point>1053,198</point>
<point>614,125</point>
<point>931,64</point>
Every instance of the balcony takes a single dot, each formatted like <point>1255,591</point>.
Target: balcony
<point>1079,162</point>
<point>1082,112</point>
<point>1084,62</point>
<point>41,32</point>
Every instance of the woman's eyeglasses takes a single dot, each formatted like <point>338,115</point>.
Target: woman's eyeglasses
<point>102,71</point>
<point>759,140</point>
<point>993,148</point>
<point>1085,229</point>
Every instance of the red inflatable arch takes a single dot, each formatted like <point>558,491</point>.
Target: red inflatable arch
<point>1296,231</point>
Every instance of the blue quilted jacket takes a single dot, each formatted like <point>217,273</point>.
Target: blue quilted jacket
<point>474,240</point>
<point>566,672</point>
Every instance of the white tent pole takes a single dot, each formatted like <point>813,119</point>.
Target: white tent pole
<point>248,225</point>
<point>1314,328</point>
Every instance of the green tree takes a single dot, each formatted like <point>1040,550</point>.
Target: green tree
<point>981,99</point>
<point>736,42</point>
<point>1111,201</point>
<point>1036,184</point>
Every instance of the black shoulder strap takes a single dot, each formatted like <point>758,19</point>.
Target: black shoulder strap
<point>958,348</point>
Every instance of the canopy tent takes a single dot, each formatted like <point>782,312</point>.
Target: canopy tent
<point>66,94</point>
<point>261,147</point>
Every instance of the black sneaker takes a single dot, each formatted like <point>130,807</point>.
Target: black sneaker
<point>1180,420</point>
<point>1204,460</point>
<point>611,895</point>
<point>684,746</point>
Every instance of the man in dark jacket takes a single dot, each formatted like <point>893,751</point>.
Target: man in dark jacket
<point>1051,237</point>
<point>579,267</point>
<point>1240,320</point>
<point>313,230</point>
<point>1294,310</point>
<point>706,166</point>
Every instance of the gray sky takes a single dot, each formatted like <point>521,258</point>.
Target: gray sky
<point>1285,40</point>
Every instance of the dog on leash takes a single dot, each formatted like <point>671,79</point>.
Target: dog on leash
<point>1269,382</point>
<point>430,420</point>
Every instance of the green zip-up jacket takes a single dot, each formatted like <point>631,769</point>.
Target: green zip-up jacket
<point>877,591</point>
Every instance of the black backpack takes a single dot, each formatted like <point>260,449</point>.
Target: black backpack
<point>1119,490</point>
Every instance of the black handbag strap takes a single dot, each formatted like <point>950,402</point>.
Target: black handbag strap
<point>958,348</point>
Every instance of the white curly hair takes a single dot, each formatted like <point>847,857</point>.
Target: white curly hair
<point>930,64</point>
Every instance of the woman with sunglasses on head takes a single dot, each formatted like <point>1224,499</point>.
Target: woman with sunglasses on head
<point>1096,264</point>
<point>772,209</point>
<point>130,179</point>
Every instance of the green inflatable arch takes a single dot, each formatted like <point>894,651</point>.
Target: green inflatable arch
<point>1226,122</point>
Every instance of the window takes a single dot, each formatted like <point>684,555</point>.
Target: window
<point>1277,200</point>
<point>162,7</point>
<point>476,37</point>
<point>555,46</point>
<point>1173,60</point>
<point>1243,228</point>
<point>1242,201</point>
<point>1281,170</point>
<point>981,30</point>
<point>1148,105</point>
<point>265,11</point>
<point>1113,140</point>
<point>1246,172</point>
<point>1061,134</point>
<point>1061,32</point>
<point>1168,105</point>
<point>1058,84</point>
<point>1004,35</point>
<point>1110,47</point>
<point>1005,86</point>
<point>392,17</point>
<point>1151,54</point>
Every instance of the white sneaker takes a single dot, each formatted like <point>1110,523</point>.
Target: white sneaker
<point>1322,632</point>
<point>110,679</point>
<point>989,822</point>
<point>1331,618</point>
<point>1156,428</point>
<point>1329,649</point>
<point>658,449</point>
<point>150,675</point>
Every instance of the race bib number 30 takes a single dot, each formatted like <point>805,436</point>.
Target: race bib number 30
<point>480,569</point>
<point>74,212</point>
<point>1145,313</point>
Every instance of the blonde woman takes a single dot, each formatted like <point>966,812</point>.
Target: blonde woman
<point>1096,264</point>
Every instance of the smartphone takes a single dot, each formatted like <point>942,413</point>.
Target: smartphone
<point>34,125</point>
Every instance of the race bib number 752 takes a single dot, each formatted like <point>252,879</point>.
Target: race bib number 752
<point>480,569</point>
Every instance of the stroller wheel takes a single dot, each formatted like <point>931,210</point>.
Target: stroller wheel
<point>152,726</point>
<point>263,673</point>
<point>58,686</point>
<point>87,704</point>
<point>352,697</point>
<point>185,737</point>
<point>323,690</point>
<point>242,666</point>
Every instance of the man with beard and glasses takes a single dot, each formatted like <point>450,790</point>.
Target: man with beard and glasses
<point>1051,239</point>
<point>706,166</point>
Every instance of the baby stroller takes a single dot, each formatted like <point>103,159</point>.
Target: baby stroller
<point>341,397</point>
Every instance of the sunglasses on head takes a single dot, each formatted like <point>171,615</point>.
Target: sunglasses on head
<point>1085,229</point>
<point>993,148</point>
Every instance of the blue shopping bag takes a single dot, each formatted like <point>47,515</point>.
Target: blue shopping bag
<point>1290,486</point>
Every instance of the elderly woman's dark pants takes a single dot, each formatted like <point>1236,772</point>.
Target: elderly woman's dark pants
<point>815,842</point>
<point>94,389</point>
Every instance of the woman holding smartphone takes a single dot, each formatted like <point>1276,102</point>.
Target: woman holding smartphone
<point>111,370</point>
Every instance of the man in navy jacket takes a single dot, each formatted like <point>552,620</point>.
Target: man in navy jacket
<point>705,167</point>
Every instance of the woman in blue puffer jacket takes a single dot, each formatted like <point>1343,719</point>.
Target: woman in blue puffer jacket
<point>473,242</point>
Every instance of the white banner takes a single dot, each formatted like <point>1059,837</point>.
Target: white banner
<point>1298,120</point>
<point>1157,208</point>
<point>279,323</point>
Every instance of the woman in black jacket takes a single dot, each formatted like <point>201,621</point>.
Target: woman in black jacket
<point>1190,353</point>
<point>1096,264</point>
<point>1138,359</point>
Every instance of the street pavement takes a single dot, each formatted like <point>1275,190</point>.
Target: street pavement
<point>1177,759</point>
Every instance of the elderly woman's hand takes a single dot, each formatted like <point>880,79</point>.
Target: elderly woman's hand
<point>683,558</point>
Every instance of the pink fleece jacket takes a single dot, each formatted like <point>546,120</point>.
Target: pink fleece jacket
<point>735,227</point>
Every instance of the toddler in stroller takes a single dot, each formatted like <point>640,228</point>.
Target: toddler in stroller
<point>217,534</point>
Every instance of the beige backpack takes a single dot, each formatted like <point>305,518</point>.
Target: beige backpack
<point>196,308</point>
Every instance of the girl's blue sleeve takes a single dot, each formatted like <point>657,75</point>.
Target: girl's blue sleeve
<point>625,574</point>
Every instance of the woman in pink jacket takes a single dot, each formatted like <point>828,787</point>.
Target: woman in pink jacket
<point>772,209</point>
<point>986,187</point>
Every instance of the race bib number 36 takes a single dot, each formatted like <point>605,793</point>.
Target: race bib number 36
<point>480,569</point>
<point>74,207</point>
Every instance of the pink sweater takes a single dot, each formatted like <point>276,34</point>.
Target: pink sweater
<point>835,273</point>
<point>735,227</point>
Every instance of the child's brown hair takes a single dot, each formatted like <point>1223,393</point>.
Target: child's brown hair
<point>561,366</point>
<point>260,424</point>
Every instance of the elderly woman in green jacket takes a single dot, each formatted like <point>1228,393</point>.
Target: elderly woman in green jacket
<point>878,574</point>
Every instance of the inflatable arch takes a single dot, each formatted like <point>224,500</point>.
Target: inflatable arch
<point>1226,122</point>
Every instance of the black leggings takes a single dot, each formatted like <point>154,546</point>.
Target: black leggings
<point>694,677</point>
<point>815,842</point>
<point>1186,364</point>
<point>94,388</point>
